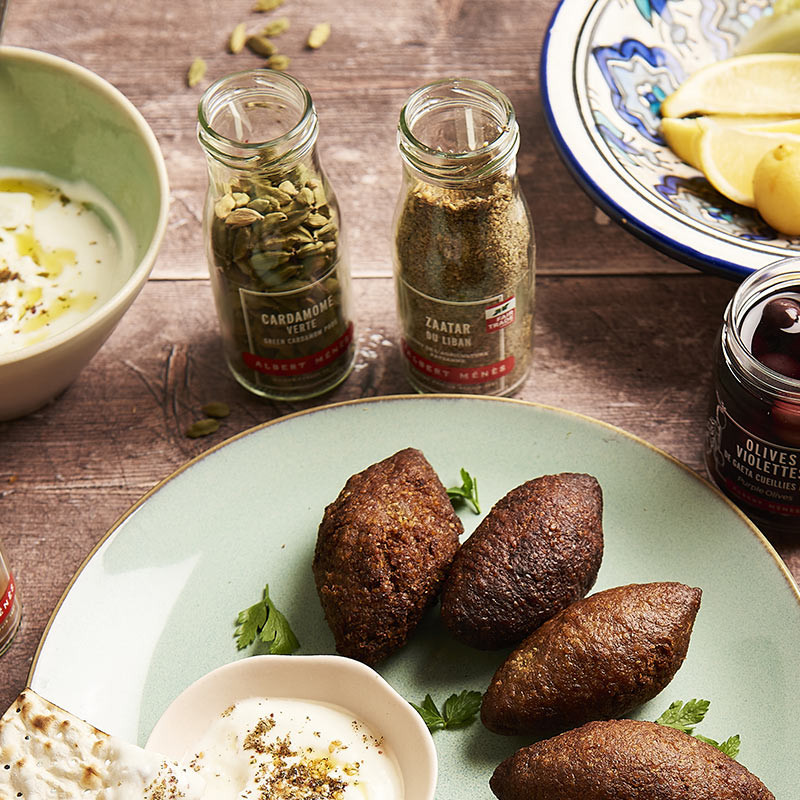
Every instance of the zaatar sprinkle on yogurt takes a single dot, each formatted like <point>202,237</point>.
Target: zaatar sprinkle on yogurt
<point>290,748</point>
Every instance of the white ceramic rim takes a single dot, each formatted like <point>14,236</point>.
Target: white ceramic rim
<point>142,271</point>
<point>693,244</point>
<point>186,709</point>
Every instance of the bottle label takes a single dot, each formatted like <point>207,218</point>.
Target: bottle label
<point>301,365</point>
<point>7,599</point>
<point>449,345</point>
<point>296,339</point>
<point>763,474</point>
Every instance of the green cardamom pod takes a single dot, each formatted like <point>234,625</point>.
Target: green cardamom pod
<point>216,409</point>
<point>202,427</point>
<point>261,46</point>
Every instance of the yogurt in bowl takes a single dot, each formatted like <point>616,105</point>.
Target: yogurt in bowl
<point>272,725</point>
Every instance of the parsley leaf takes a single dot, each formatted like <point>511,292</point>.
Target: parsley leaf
<point>431,715</point>
<point>250,622</point>
<point>263,620</point>
<point>467,492</point>
<point>459,710</point>
<point>684,717</point>
<point>730,746</point>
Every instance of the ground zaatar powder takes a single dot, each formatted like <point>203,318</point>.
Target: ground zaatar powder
<point>465,286</point>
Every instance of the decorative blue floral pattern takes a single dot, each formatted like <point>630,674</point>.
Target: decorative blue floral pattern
<point>632,75</point>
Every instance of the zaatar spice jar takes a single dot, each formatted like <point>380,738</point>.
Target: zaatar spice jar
<point>10,605</point>
<point>753,434</point>
<point>273,236</point>
<point>464,245</point>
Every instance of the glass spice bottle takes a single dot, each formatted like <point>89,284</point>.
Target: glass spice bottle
<point>10,605</point>
<point>464,244</point>
<point>273,237</point>
<point>753,431</point>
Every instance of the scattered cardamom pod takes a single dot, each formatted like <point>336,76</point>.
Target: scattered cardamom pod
<point>319,35</point>
<point>216,409</point>
<point>276,27</point>
<point>197,71</point>
<point>261,46</point>
<point>238,38</point>
<point>278,62</point>
<point>267,5</point>
<point>202,427</point>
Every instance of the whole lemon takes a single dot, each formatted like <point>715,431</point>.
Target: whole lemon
<point>776,188</point>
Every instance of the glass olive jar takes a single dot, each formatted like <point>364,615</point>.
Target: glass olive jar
<point>464,244</point>
<point>753,434</point>
<point>273,237</point>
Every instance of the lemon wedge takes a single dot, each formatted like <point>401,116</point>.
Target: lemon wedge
<point>777,33</point>
<point>728,157</point>
<point>683,134</point>
<point>759,83</point>
<point>682,137</point>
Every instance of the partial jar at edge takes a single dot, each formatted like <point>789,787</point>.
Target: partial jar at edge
<point>753,432</point>
<point>464,248</point>
<point>10,605</point>
<point>274,241</point>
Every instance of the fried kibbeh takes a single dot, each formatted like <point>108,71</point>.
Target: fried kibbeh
<point>537,551</point>
<point>598,658</point>
<point>383,548</point>
<point>624,760</point>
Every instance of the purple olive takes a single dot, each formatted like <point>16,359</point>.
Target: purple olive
<point>782,363</point>
<point>764,341</point>
<point>781,313</point>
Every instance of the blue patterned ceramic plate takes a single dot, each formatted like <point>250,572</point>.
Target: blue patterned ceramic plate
<point>606,66</point>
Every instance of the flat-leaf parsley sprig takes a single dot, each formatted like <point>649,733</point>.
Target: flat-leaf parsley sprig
<point>685,716</point>
<point>459,710</point>
<point>270,626</point>
<point>467,492</point>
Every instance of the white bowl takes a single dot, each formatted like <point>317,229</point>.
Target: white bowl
<point>329,679</point>
<point>606,65</point>
<point>61,119</point>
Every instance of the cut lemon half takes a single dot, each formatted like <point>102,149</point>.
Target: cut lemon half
<point>761,83</point>
<point>728,157</point>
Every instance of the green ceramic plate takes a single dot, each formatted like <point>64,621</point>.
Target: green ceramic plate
<point>153,607</point>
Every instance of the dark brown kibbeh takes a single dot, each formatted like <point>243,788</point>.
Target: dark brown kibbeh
<point>624,760</point>
<point>597,659</point>
<point>383,548</point>
<point>537,551</point>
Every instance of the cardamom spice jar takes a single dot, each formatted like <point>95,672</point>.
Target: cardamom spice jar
<point>753,430</point>
<point>10,605</point>
<point>273,236</point>
<point>464,243</point>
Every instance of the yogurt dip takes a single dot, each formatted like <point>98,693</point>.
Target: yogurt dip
<point>277,748</point>
<point>64,250</point>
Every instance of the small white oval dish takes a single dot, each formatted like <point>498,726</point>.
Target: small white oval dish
<point>323,679</point>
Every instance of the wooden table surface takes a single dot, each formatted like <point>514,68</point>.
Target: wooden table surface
<point>622,333</point>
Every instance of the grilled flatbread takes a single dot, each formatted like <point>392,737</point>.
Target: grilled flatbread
<point>47,753</point>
